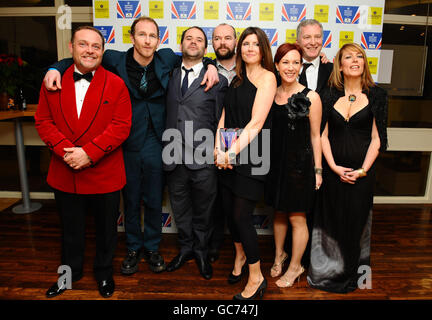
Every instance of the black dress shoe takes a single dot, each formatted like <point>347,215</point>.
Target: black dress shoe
<point>130,262</point>
<point>106,287</point>
<point>205,268</point>
<point>155,261</point>
<point>232,279</point>
<point>259,291</point>
<point>178,261</point>
<point>213,255</point>
<point>55,290</point>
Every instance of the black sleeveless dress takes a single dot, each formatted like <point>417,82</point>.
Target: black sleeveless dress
<point>246,180</point>
<point>290,184</point>
<point>340,246</point>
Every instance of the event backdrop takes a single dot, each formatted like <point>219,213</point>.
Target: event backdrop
<point>344,21</point>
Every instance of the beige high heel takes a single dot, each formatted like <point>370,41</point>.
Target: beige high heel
<point>282,283</point>
<point>275,271</point>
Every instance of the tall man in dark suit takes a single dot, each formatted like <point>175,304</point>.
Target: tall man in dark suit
<point>314,73</point>
<point>84,125</point>
<point>192,117</point>
<point>146,74</point>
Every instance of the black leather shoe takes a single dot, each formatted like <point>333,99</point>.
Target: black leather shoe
<point>155,261</point>
<point>178,261</point>
<point>106,287</point>
<point>259,291</point>
<point>205,268</point>
<point>55,290</point>
<point>232,279</point>
<point>213,255</point>
<point>130,262</point>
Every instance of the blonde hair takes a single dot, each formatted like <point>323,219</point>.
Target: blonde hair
<point>336,77</point>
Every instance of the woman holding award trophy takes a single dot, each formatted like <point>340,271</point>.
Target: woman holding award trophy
<point>295,170</point>
<point>246,107</point>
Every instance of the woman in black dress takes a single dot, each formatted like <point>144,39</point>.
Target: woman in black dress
<point>354,122</point>
<point>295,150</point>
<point>246,106</point>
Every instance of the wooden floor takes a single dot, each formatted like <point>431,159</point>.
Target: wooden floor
<point>30,251</point>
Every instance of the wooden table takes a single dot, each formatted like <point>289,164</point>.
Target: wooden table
<point>27,206</point>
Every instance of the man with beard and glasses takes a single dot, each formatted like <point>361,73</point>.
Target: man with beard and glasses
<point>224,41</point>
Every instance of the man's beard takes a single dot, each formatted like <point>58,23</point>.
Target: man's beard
<point>226,56</point>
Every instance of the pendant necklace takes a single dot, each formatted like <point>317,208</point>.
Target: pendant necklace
<point>351,99</point>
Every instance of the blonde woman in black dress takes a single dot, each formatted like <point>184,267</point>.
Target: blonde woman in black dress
<point>355,131</point>
<point>295,171</point>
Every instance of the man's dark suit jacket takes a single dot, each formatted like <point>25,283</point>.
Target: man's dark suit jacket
<point>203,108</point>
<point>324,71</point>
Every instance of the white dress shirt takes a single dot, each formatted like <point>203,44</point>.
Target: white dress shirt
<point>81,87</point>
<point>193,74</point>
<point>312,73</point>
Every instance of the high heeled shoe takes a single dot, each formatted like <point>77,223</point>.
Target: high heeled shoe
<point>285,283</point>
<point>232,279</point>
<point>275,271</point>
<point>259,291</point>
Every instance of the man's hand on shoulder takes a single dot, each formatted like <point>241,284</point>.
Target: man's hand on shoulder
<point>324,58</point>
<point>52,80</point>
<point>211,77</point>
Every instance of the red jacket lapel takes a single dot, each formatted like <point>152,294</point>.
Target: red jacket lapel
<point>68,100</point>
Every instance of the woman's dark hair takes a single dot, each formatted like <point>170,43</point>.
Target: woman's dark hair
<point>264,47</point>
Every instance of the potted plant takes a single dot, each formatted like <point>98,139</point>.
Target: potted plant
<point>11,68</point>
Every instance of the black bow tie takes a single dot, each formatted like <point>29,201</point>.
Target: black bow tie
<point>78,76</point>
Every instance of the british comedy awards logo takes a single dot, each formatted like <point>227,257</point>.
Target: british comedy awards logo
<point>293,12</point>
<point>327,39</point>
<point>272,35</point>
<point>371,40</point>
<point>128,9</point>
<point>347,15</point>
<point>239,11</point>
<point>183,10</point>
<point>108,33</point>
<point>164,34</point>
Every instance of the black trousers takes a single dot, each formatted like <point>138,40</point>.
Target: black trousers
<point>72,209</point>
<point>192,195</point>
<point>217,233</point>
<point>240,222</point>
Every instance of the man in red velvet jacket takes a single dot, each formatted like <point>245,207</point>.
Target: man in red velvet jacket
<point>84,125</point>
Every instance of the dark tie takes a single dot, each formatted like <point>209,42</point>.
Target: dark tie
<point>185,83</point>
<point>303,79</point>
<point>143,82</point>
<point>78,76</point>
